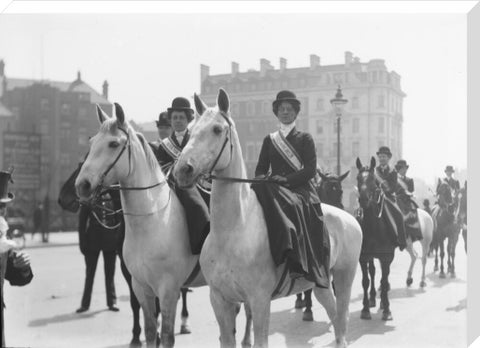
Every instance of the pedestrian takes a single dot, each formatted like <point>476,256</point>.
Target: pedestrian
<point>37,219</point>
<point>14,265</point>
<point>46,219</point>
<point>95,237</point>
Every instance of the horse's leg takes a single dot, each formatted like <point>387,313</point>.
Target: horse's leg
<point>365,314</point>
<point>385,264</point>
<point>135,342</point>
<point>225,312</point>
<point>146,298</point>
<point>326,298</point>
<point>464,234</point>
<point>343,284</point>
<point>307,313</point>
<point>425,248</point>
<point>184,328</point>
<point>442,255</point>
<point>260,307</point>
<point>168,303</point>
<point>413,258</point>
<point>373,291</point>
<point>453,245</point>
<point>435,268</point>
<point>299,303</point>
<point>247,338</point>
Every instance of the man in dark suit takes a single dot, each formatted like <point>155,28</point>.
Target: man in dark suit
<point>95,238</point>
<point>164,129</point>
<point>180,114</point>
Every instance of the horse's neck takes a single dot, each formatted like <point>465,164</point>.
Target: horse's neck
<point>229,200</point>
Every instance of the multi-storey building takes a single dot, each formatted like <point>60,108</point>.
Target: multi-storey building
<point>371,118</point>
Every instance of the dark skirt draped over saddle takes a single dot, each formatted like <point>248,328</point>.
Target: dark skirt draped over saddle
<point>409,210</point>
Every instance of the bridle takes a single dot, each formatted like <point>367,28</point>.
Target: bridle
<point>377,196</point>
<point>102,189</point>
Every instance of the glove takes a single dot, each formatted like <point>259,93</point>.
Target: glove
<point>281,180</point>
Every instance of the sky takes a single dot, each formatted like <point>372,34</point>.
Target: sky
<point>150,59</point>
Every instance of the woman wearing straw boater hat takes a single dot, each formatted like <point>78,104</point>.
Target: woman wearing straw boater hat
<point>14,265</point>
<point>292,206</point>
<point>180,114</point>
<point>388,180</point>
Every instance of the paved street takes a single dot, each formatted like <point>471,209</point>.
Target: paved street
<point>42,314</point>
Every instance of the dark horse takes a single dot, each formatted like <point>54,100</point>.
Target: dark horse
<point>68,200</point>
<point>462,213</point>
<point>376,240</point>
<point>446,226</point>
<point>330,192</point>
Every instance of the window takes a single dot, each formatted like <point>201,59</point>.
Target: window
<point>381,124</point>
<point>44,104</point>
<point>374,76</point>
<point>82,112</point>
<point>319,127</point>
<point>250,108</point>
<point>319,149</point>
<point>320,106</point>
<point>381,101</point>
<point>355,149</point>
<point>266,108</point>
<point>65,109</point>
<point>356,125</point>
<point>355,104</point>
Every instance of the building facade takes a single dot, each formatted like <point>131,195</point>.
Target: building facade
<point>371,118</point>
<point>60,116</point>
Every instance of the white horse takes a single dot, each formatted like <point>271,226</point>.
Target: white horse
<point>236,258</point>
<point>156,249</point>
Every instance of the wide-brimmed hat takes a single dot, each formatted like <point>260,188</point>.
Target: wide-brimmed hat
<point>5,178</point>
<point>285,96</point>
<point>163,120</point>
<point>401,164</point>
<point>385,150</point>
<point>449,169</point>
<point>181,104</point>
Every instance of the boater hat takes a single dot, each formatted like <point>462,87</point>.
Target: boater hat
<point>163,120</point>
<point>5,196</point>
<point>385,150</point>
<point>181,104</point>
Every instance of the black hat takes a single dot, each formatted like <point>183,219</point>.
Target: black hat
<point>285,96</point>
<point>385,150</point>
<point>401,164</point>
<point>5,196</point>
<point>449,169</point>
<point>181,104</point>
<point>163,120</point>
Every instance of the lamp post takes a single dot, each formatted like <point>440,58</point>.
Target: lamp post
<point>338,103</point>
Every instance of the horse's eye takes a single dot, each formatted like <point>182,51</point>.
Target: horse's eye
<point>113,144</point>
<point>217,130</point>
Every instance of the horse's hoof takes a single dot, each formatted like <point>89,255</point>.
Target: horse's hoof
<point>387,315</point>
<point>185,329</point>
<point>442,275</point>
<point>423,284</point>
<point>365,314</point>
<point>409,281</point>
<point>299,304</point>
<point>372,302</point>
<point>307,316</point>
<point>135,342</point>
<point>453,275</point>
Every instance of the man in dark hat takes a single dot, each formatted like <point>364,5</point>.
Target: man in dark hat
<point>450,180</point>
<point>164,129</point>
<point>292,208</point>
<point>388,180</point>
<point>14,265</point>
<point>406,203</point>
<point>180,114</point>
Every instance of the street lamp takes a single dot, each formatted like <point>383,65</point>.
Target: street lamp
<point>338,103</point>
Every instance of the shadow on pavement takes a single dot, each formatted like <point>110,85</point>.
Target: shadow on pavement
<point>358,328</point>
<point>462,304</point>
<point>64,318</point>
<point>437,282</point>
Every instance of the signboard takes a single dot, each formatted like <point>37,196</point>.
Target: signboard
<point>23,151</point>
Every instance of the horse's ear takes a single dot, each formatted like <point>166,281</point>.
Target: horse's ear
<point>119,114</point>
<point>344,175</point>
<point>199,105</point>
<point>102,116</point>
<point>223,101</point>
<point>323,176</point>
<point>359,163</point>
<point>373,163</point>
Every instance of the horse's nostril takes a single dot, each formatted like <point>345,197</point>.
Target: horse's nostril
<point>188,169</point>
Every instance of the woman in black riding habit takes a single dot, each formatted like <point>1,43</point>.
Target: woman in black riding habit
<point>291,205</point>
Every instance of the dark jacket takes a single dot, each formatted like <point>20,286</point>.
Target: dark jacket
<point>408,183</point>
<point>16,277</point>
<point>454,183</point>
<point>389,180</point>
<point>92,235</point>
<point>163,157</point>
<point>271,161</point>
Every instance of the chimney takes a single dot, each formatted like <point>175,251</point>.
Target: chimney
<point>356,60</point>
<point>264,66</point>
<point>79,76</point>
<point>348,58</point>
<point>314,61</point>
<point>2,68</point>
<point>105,89</point>
<point>235,69</point>
<point>204,72</point>
<point>283,64</point>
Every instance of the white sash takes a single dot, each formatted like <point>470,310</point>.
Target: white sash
<point>286,150</point>
<point>172,149</point>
